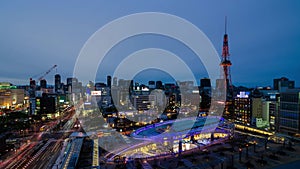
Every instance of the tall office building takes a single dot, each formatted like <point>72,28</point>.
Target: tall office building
<point>205,93</point>
<point>142,102</point>
<point>69,81</point>
<point>289,112</point>
<point>125,83</point>
<point>108,81</point>
<point>32,88</point>
<point>260,114</point>
<point>32,84</point>
<point>282,84</point>
<point>72,82</point>
<point>115,81</point>
<point>242,111</point>
<point>273,115</point>
<point>257,109</point>
<point>151,84</point>
<point>99,85</point>
<point>57,82</point>
<point>43,84</point>
<point>47,104</point>
<point>205,83</point>
<point>159,85</point>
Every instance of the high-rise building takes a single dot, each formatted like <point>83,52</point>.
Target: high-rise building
<point>283,84</point>
<point>47,104</point>
<point>205,83</point>
<point>289,112</point>
<point>160,99</point>
<point>242,111</point>
<point>32,100</point>
<point>256,109</point>
<point>57,83</point>
<point>108,81</point>
<point>69,81</point>
<point>72,82</point>
<point>104,99</point>
<point>115,81</point>
<point>159,85</point>
<point>260,112</point>
<point>142,102</point>
<point>273,115</point>
<point>99,85</point>
<point>32,84</point>
<point>43,84</point>
<point>151,84</point>
<point>265,114</point>
<point>115,95</point>
<point>265,108</point>
<point>125,83</point>
<point>205,93</point>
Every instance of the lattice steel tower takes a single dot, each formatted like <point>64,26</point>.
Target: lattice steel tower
<point>226,63</point>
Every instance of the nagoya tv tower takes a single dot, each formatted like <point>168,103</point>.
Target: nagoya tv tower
<point>226,63</point>
<point>226,76</point>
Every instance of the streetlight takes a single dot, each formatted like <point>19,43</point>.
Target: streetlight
<point>240,154</point>
<point>266,144</point>
<point>254,145</point>
<point>247,150</point>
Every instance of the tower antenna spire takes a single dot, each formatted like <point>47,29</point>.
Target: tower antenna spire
<point>225,24</point>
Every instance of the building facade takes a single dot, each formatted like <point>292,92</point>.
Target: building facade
<point>11,96</point>
<point>289,112</point>
<point>242,108</point>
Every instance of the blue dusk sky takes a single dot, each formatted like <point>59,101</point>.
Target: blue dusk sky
<point>264,37</point>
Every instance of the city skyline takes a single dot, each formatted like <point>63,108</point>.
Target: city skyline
<point>263,44</point>
<point>149,84</point>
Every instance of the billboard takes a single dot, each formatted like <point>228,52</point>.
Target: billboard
<point>96,93</point>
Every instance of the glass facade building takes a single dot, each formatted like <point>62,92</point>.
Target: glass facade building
<point>289,112</point>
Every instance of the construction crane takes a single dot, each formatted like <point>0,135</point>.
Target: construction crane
<point>47,72</point>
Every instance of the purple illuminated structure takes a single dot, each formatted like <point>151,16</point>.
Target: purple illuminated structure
<point>175,136</point>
